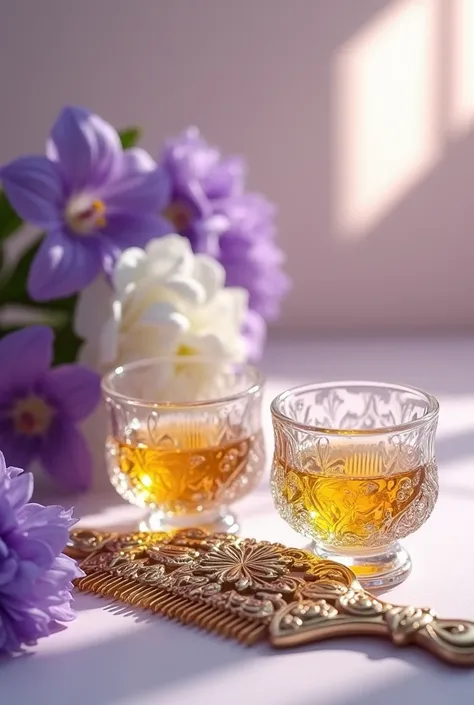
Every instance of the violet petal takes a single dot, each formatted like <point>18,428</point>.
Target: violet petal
<point>74,388</point>
<point>86,147</point>
<point>33,186</point>
<point>21,490</point>
<point>25,355</point>
<point>139,186</point>
<point>63,265</point>
<point>125,230</point>
<point>66,456</point>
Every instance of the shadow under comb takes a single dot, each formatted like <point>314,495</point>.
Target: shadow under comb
<point>249,590</point>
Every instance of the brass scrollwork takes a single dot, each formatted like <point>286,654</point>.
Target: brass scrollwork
<point>247,589</point>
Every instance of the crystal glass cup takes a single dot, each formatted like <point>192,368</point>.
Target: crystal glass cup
<point>354,470</point>
<point>184,438</point>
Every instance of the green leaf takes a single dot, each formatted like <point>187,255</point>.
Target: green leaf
<point>130,136</point>
<point>13,285</point>
<point>66,344</point>
<point>59,313</point>
<point>10,222</point>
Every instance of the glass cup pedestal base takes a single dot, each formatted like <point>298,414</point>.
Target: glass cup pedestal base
<point>219,520</point>
<point>378,569</point>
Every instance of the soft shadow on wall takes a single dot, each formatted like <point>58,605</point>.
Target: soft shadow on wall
<point>403,149</point>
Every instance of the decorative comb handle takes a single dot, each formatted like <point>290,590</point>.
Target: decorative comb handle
<point>331,610</point>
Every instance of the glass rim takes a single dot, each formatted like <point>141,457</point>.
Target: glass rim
<point>431,413</point>
<point>107,378</point>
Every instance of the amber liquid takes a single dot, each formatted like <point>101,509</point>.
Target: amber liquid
<point>187,470</point>
<point>354,501</point>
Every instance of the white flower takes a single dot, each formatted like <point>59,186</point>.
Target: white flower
<point>166,301</point>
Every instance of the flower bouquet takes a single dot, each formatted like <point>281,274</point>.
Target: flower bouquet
<point>134,258</point>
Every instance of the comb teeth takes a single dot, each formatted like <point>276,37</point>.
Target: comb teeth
<point>91,582</point>
<point>143,596</point>
<point>128,592</point>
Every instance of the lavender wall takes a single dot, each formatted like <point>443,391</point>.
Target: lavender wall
<point>355,116</point>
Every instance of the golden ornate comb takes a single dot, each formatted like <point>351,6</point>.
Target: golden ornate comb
<point>249,590</point>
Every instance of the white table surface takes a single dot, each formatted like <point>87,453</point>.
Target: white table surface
<point>104,658</point>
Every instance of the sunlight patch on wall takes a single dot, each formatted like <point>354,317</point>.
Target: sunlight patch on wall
<point>385,107</point>
<point>461,108</point>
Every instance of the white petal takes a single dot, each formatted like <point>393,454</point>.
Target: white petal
<point>108,342</point>
<point>163,246</point>
<point>145,341</point>
<point>231,303</point>
<point>206,345</point>
<point>89,355</point>
<point>129,267</point>
<point>168,297</point>
<point>197,378</point>
<point>144,294</point>
<point>93,309</point>
<point>210,273</point>
<point>190,290</point>
<point>164,314</point>
<point>169,256</point>
<point>225,315</point>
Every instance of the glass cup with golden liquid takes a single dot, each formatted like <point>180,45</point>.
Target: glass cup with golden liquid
<point>184,438</point>
<point>354,470</point>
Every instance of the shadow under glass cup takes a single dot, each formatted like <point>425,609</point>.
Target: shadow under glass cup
<point>184,438</point>
<point>354,470</point>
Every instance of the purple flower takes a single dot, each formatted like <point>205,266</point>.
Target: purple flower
<point>209,206</point>
<point>249,253</point>
<point>39,408</point>
<point>198,175</point>
<point>92,198</point>
<point>35,576</point>
<point>255,334</point>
